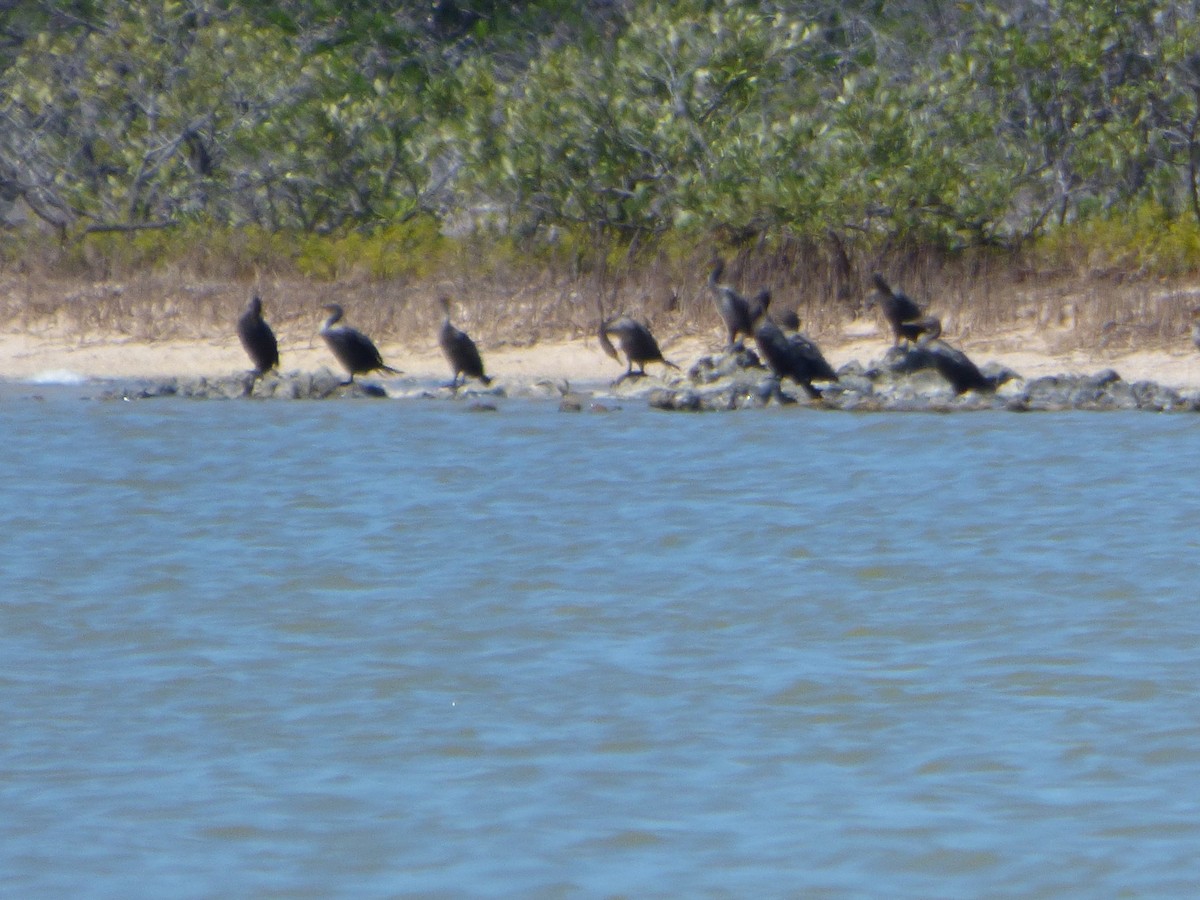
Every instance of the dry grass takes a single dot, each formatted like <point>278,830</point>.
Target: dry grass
<point>975,298</point>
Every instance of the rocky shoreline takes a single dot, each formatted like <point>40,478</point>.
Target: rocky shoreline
<point>910,380</point>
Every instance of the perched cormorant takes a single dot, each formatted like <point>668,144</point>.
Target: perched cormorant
<point>793,356</point>
<point>758,305</point>
<point>257,338</point>
<point>637,343</point>
<point>353,349</point>
<point>955,367</point>
<point>789,320</point>
<point>922,330</point>
<point>930,351</point>
<point>738,313</point>
<point>460,350</point>
<point>1196,327</point>
<point>899,309</point>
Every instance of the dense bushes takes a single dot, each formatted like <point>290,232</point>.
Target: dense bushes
<point>615,123</point>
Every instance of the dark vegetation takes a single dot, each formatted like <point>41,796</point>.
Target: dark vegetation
<point>1023,162</point>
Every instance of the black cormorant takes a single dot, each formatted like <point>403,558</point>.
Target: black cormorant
<point>353,349</point>
<point>758,305</point>
<point>257,338</point>
<point>636,342</point>
<point>793,356</point>
<point>460,350</point>
<point>955,367</point>
<point>738,313</point>
<point>922,330</point>
<point>899,309</point>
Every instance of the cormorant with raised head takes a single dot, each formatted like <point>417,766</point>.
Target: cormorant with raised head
<point>758,305</point>
<point>738,314</point>
<point>353,349</point>
<point>903,313</point>
<point>793,356</point>
<point>257,338</point>
<point>459,349</point>
<point>636,342</point>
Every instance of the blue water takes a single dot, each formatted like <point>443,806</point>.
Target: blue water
<point>402,649</point>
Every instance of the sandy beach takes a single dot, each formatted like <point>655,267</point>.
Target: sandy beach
<point>53,357</point>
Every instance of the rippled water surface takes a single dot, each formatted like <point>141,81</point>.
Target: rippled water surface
<point>399,648</point>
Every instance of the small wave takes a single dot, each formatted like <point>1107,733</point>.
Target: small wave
<point>57,376</point>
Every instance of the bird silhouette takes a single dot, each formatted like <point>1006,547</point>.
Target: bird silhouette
<point>257,338</point>
<point>793,356</point>
<point>904,315</point>
<point>738,313</point>
<point>460,351</point>
<point>353,349</point>
<point>635,341</point>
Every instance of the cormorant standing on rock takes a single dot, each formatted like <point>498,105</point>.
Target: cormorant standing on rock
<point>353,349</point>
<point>931,351</point>
<point>793,356</point>
<point>257,338</point>
<point>1196,327</point>
<point>922,330</point>
<point>758,305</point>
<point>736,311</point>
<point>903,314</point>
<point>637,343</point>
<point>460,351</point>
<point>955,367</point>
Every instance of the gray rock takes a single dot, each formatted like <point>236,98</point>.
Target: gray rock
<point>903,380</point>
<point>676,401</point>
<point>1102,391</point>
<point>709,369</point>
<point>319,385</point>
<point>1157,398</point>
<point>851,381</point>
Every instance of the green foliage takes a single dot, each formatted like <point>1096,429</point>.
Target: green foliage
<point>204,248</point>
<point>594,132</point>
<point>1143,239</point>
<point>415,248</point>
